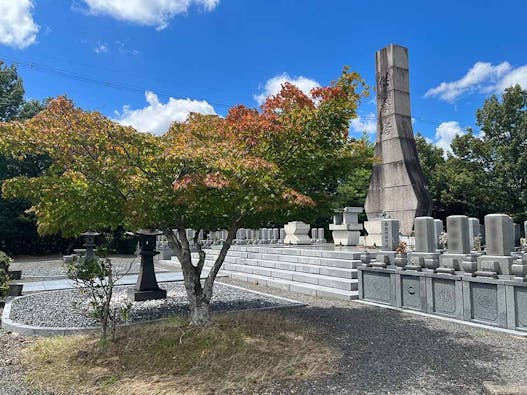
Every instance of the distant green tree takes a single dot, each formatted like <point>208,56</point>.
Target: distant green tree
<point>11,92</point>
<point>486,173</point>
<point>18,232</point>
<point>353,191</point>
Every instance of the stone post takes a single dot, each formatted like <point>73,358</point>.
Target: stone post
<point>321,236</point>
<point>146,287</point>
<point>282,236</point>
<point>314,235</point>
<point>457,227</point>
<point>390,242</point>
<point>297,233</point>
<point>266,239</point>
<point>275,235</point>
<point>499,235</point>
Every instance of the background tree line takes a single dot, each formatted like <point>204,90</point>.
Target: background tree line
<point>484,173</point>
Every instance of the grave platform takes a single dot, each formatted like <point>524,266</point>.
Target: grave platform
<point>318,270</point>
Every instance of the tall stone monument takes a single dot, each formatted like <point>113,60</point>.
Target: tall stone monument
<point>397,188</point>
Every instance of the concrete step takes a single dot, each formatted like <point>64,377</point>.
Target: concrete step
<point>292,267</point>
<point>308,251</point>
<point>301,259</point>
<point>293,286</point>
<point>347,284</point>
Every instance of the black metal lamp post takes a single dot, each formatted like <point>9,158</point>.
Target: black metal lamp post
<point>90,242</point>
<point>146,287</point>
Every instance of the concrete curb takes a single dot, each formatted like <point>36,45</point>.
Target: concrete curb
<point>438,317</point>
<point>30,330</point>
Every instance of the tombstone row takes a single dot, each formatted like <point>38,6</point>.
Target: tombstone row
<point>459,250</point>
<point>295,232</point>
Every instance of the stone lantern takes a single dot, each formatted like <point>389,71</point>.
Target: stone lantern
<point>146,287</point>
<point>90,242</point>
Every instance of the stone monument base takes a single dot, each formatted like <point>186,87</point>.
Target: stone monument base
<point>451,261</point>
<point>387,257</point>
<point>500,264</point>
<point>152,294</point>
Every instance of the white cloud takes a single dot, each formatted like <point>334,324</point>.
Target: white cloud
<point>157,117</point>
<point>445,133</point>
<point>101,48</point>
<point>146,12</point>
<point>366,124</point>
<point>482,78</point>
<point>516,76</point>
<point>17,27</point>
<point>274,85</point>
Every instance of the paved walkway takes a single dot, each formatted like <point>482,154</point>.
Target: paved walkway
<point>51,285</point>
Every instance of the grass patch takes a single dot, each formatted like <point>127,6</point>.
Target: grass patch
<point>240,351</point>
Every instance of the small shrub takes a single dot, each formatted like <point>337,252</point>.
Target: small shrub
<point>5,260</point>
<point>96,278</point>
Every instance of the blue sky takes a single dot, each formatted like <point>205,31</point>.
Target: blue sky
<point>149,62</point>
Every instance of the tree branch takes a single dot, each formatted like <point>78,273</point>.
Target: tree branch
<point>209,282</point>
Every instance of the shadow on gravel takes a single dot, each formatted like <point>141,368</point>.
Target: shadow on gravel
<point>386,351</point>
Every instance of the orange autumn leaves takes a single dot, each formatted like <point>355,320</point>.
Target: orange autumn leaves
<point>202,171</point>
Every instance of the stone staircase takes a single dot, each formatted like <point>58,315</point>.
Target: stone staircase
<point>311,270</point>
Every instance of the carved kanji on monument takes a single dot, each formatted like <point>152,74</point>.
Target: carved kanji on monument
<point>397,187</point>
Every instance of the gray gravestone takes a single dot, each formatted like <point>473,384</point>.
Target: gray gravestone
<point>390,234</point>
<point>499,236</point>
<point>438,229</point>
<point>499,229</point>
<point>457,228</point>
<point>424,234</point>
<point>473,231</point>
<point>321,236</point>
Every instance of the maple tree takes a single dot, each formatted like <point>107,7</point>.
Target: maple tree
<point>282,162</point>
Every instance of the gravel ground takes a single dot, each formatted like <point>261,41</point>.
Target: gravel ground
<point>383,352</point>
<point>37,268</point>
<point>70,308</point>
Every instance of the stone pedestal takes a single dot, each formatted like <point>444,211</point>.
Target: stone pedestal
<point>297,233</point>
<point>346,228</point>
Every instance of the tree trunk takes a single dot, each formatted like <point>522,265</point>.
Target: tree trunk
<point>199,296</point>
<point>200,313</point>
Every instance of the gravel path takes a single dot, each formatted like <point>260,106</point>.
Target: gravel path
<point>383,352</point>
<point>70,308</point>
<point>38,268</point>
<point>389,352</point>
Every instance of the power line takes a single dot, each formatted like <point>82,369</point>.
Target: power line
<point>44,68</point>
